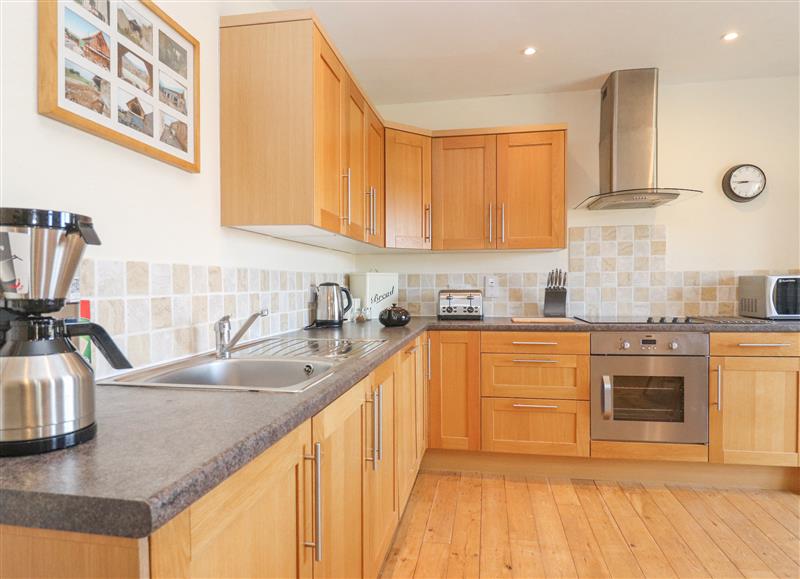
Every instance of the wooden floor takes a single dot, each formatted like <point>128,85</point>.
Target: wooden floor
<point>472,525</point>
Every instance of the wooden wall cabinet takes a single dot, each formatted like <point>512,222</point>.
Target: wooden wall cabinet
<point>455,420</point>
<point>408,190</point>
<point>294,132</point>
<point>375,233</point>
<point>753,410</point>
<point>504,191</point>
<point>531,190</point>
<point>464,192</point>
<point>380,464</point>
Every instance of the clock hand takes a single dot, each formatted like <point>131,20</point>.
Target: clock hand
<point>742,181</point>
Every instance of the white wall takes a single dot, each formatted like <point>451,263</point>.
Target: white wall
<point>143,209</point>
<point>703,130</point>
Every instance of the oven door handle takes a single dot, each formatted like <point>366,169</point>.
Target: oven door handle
<point>608,401</point>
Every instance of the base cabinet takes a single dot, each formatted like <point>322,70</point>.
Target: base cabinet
<point>754,407</point>
<point>253,525</point>
<point>535,426</point>
<point>337,435</point>
<point>455,414</point>
<point>381,511</point>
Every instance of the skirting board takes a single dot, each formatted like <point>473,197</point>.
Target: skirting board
<point>713,475</point>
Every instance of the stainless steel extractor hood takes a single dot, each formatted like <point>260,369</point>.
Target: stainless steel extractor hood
<point>629,144</point>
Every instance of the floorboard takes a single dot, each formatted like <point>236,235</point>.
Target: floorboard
<point>468,525</point>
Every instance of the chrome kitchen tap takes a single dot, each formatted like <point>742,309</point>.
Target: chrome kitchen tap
<point>222,332</point>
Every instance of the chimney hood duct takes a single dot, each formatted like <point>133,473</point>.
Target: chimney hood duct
<point>629,144</point>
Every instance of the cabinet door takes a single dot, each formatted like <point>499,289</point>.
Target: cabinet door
<point>330,105</point>
<point>464,198</point>
<point>339,432</point>
<point>455,413</point>
<point>408,190</point>
<point>375,233</point>
<point>535,426</point>
<point>381,512</point>
<point>421,399</point>
<point>535,376</point>
<point>753,415</point>
<point>355,191</point>
<point>252,525</point>
<point>530,190</point>
<point>406,422</point>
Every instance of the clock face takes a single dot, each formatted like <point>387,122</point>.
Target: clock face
<point>744,182</point>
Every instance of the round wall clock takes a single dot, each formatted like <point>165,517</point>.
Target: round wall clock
<point>744,183</point>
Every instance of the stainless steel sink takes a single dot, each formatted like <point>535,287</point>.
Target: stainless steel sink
<point>271,365</point>
<point>248,374</point>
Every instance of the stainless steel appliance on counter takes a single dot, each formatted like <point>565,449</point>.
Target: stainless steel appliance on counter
<point>649,387</point>
<point>46,387</point>
<point>330,307</point>
<point>460,304</point>
<point>770,297</point>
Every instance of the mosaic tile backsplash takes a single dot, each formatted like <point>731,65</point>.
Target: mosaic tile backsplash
<point>613,271</point>
<point>157,312</point>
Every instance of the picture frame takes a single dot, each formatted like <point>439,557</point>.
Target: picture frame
<point>125,71</point>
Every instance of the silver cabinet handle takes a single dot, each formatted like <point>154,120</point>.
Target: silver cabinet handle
<point>317,543</point>
<point>349,197</point>
<point>608,400</point>
<point>429,359</point>
<point>534,343</point>
<point>380,422</point>
<point>368,213</point>
<point>534,406</point>
<point>428,222</point>
<point>374,458</point>
<point>491,222</point>
<point>503,223</point>
<point>764,345</point>
<point>374,214</point>
<point>719,388</point>
<point>535,361</point>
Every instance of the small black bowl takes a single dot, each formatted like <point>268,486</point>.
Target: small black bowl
<point>394,316</point>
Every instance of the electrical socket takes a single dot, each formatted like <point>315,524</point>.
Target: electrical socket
<point>490,287</point>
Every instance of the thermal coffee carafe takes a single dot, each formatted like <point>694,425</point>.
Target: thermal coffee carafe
<point>46,386</point>
<point>330,308</point>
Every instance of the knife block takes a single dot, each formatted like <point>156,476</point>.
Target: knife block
<point>555,302</point>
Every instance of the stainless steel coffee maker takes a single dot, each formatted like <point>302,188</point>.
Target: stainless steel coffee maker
<point>46,386</point>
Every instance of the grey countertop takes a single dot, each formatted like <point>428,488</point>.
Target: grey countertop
<point>159,450</point>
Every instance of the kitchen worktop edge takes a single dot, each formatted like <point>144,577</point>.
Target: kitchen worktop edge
<point>84,489</point>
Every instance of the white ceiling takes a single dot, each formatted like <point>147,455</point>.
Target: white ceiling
<point>412,51</point>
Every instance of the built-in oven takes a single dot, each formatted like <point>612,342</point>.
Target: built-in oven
<point>650,387</point>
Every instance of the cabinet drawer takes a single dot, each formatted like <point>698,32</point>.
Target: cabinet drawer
<point>535,342</point>
<point>535,426</point>
<point>560,376</point>
<point>755,344</point>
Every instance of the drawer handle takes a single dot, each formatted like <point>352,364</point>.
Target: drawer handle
<point>764,345</point>
<point>535,361</point>
<point>534,406</point>
<point>534,343</point>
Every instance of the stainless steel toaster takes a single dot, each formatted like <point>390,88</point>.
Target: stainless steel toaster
<point>460,304</point>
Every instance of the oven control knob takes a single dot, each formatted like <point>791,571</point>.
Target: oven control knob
<point>625,345</point>
<point>673,345</point>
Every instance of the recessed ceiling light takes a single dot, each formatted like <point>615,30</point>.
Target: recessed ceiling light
<point>730,36</point>
<point>529,51</point>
